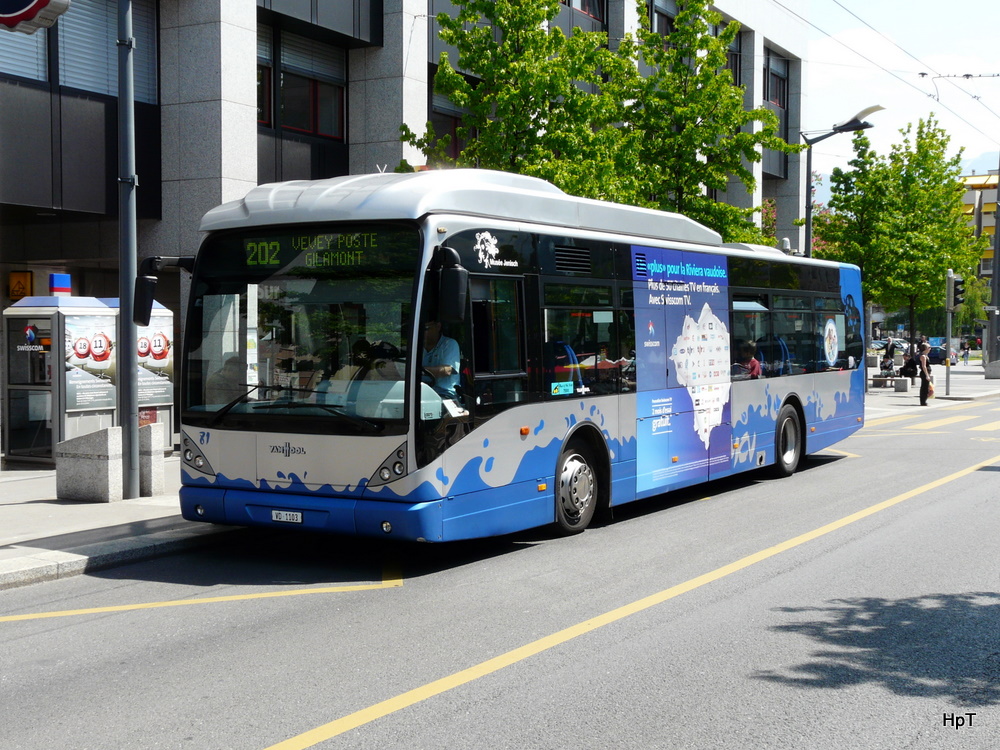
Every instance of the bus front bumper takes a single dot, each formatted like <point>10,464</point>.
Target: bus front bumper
<point>339,515</point>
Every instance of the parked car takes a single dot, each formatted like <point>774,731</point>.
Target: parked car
<point>879,347</point>
<point>936,356</point>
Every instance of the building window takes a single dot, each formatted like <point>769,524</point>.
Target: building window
<point>734,59</point>
<point>593,8</point>
<point>23,55</point>
<point>775,79</point>
<point>311,85</point>
<point>661,19</point>
<point>265,63</point>
<point>88,50</point>
<point>662,24</point>
<point>446,119</point>
<point>311,106</point>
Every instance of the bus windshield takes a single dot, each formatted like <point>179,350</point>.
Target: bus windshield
<point>302,328</point>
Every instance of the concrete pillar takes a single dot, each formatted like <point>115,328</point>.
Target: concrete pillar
<point>151,438</point>
<point>790,193</point>
<point>89,467</point>
<point>389,85</point>
<point>622,20</point>
<point>752,79</point>
<point>208,111</point>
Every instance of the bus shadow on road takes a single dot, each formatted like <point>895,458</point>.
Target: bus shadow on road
<point>269,557</point>
<point>266,558</point>
<point>714,488</point>
<point>932,646</point>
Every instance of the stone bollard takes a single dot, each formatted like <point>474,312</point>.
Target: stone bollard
<point>992,370</point>
<point>151,460</point>
<point>89,467</point>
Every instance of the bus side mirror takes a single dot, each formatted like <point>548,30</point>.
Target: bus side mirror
<point>145,283</point>
<point>142,300</point>
<point>453,286</point>
<point>454,292</point>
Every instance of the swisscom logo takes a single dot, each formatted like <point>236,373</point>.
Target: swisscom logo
<point>32,343</point>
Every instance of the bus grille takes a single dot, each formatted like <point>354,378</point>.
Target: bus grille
<point>573,260</point>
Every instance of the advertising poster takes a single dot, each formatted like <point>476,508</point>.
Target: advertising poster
<point>90,362</point>
<point>156,362</point>
<point>682,365</point>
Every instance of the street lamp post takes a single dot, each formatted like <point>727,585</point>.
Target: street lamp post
<point>847,126</point>
<point>991,339</point>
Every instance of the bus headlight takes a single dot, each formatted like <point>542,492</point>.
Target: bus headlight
<point>393,468</point>
<point>193,458</point>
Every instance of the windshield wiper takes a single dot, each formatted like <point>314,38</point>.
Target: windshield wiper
<point>218,415</point>
<point>357,421</point>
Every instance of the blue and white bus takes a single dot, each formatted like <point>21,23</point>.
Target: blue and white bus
<point>453,354</point>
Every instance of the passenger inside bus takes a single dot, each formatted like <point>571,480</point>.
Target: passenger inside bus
<point>383,363</point>
<point>359,359</point>
<point>747,366</point>
<point>227,383</point>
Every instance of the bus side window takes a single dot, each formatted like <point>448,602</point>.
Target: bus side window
<point>580,352</point>
<point>749,324</point>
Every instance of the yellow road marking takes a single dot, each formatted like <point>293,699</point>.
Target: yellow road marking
<point>888,420</point>
<point>938,423</point>
<point>391,578</point>
<point>443,685</point>
<point>987,427</point>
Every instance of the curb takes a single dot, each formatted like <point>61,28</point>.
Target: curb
<point>50,565</point>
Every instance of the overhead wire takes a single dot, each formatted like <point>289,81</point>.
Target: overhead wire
<point>951,79</point>
<point>886,70</point>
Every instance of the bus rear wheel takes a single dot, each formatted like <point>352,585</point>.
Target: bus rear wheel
<point>787,442</point>
<point>577,491</point>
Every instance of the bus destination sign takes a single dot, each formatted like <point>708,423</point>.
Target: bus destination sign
<point>328,250</point>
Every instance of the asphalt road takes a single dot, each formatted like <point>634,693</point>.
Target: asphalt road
<point>853,605</point>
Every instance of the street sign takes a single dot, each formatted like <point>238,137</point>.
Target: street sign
<point>28,16</point>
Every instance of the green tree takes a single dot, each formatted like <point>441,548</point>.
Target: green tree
<point>689,124</point>
<point>574,112</point>
<point>900,217</point>
<point>852,230</point>
<point>531,97</point>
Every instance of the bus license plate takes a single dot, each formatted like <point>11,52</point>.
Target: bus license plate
<point>286,516</point>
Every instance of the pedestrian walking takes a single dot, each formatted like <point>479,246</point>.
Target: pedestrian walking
<point>965,352</point>
<point>924,370</point>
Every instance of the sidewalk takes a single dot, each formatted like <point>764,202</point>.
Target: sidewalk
<point>43,538</point>
<point>962,383</point>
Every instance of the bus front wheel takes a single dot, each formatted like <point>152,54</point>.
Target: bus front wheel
<point>576,491</point>
<point>787,442</point>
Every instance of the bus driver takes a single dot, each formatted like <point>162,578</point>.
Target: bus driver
<point>441,359</point>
